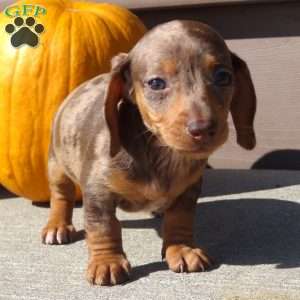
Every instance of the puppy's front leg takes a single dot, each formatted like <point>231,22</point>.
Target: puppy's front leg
<point>178,245</point>
<point>107,261</point>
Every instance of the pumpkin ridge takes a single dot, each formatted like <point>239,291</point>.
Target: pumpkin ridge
<point>13,77</point>
<point>96,22</point>
<point>42,78</point>
<point>35,130</point>
<point>104,41</point>
<point>115,12</point>
<point>92,38</point>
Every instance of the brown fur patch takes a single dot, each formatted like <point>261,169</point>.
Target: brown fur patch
<point>105,238</point>
<point>151,195</point>
<point>113,97</point>
<point>209,61</point>
<point>169,67</point>
<point>62,195</point>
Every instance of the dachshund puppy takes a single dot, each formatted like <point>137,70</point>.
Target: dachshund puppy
<point>139,138</point>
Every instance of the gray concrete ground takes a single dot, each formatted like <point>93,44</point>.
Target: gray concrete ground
<point>249,221</point>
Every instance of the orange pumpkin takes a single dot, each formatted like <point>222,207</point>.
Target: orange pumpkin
<point>77,44</point>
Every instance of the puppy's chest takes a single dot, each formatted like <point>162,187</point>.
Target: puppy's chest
<point>153,194</point>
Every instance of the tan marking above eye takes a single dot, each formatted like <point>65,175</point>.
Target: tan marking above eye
<point>169,66</point>
<point>210,61</point>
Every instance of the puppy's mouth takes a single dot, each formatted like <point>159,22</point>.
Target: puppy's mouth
<point>200,145</point>
<point>203,145</point>
<point>200,152</point>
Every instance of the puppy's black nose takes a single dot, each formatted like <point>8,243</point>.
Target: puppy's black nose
<point>196,128</point>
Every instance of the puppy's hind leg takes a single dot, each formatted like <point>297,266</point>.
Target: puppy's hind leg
<point>59,229</point>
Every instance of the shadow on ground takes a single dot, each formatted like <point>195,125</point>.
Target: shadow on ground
<point>146,269</point>
<point>244,232</point>
<point>284,159</point>
<point>227,182</point>
<point>4,194</point>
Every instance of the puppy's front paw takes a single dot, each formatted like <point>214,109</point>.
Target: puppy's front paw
<point>108,270</point>
<point>181,258</point>
<point>58,234</point>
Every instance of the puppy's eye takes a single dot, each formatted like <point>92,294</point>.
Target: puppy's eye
<point>157,84</point>
<point>222,77</point>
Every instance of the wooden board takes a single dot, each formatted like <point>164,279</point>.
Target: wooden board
<point>144,4</point>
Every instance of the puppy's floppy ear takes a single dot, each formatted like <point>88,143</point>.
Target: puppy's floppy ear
<point>114,94</point>
<point>243,105</point>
